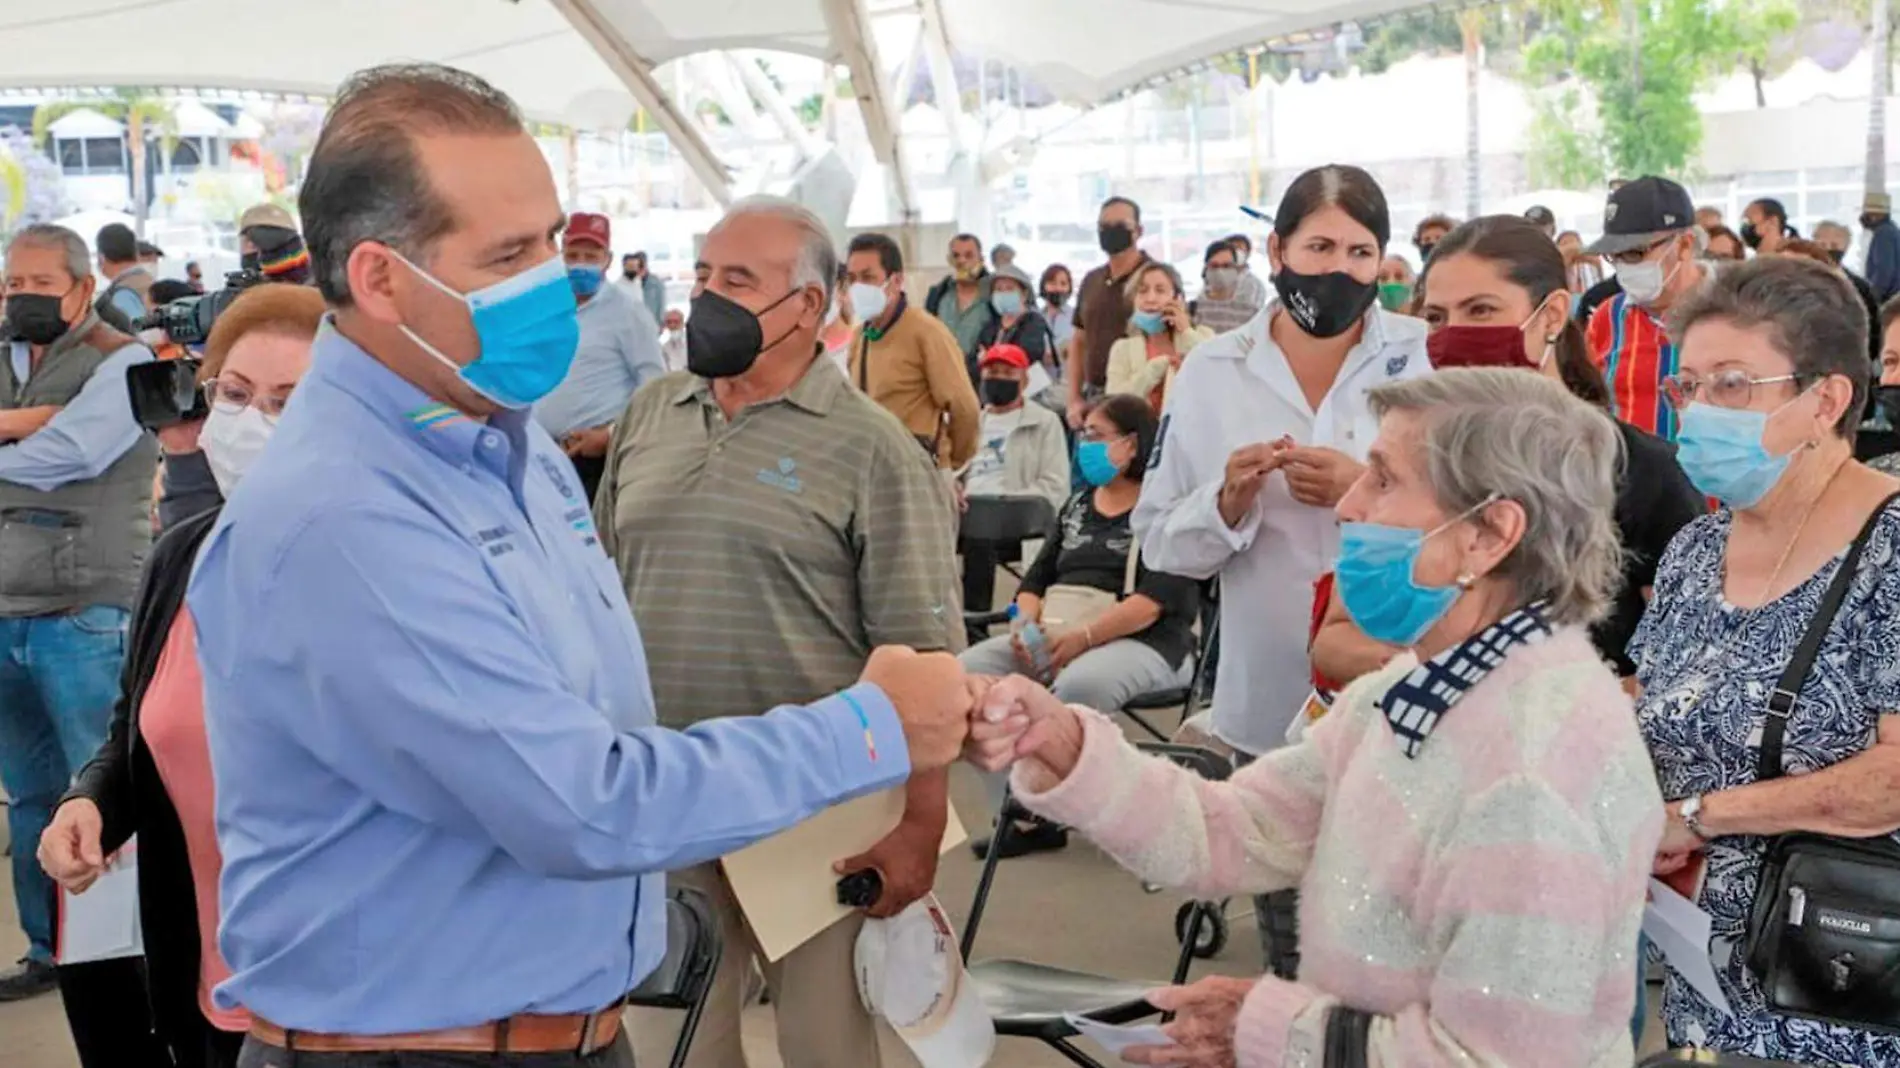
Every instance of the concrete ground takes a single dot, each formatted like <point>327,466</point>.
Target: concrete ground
<point>1073,908</point>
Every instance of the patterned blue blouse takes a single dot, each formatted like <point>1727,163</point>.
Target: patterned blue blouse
<point>1707,668</point>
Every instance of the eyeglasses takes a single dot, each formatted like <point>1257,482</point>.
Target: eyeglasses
<point>1634,256</point>
<point>1724,389</point>
<point>233,397</point>
<point>1094,435</point>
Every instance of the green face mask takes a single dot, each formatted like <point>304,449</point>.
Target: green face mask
<point>1394,296</point>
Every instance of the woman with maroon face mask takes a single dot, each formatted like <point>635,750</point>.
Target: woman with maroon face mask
<point>1494,296</point>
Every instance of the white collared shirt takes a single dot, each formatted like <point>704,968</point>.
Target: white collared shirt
<point>1238,390</point>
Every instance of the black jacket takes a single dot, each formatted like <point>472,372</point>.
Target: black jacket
<point>122,780</point>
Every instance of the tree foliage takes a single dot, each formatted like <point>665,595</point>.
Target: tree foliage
<point>1618,97</point>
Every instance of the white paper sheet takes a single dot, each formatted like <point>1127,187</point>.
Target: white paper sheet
<point>1116,1039</point>
<point>1681,930</point>
<point>103,922</point>
<point>1039,380</point>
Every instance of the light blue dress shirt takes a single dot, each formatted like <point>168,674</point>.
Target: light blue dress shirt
<point>88,435</point>
<point>441,797</point>
<point>619,352</point>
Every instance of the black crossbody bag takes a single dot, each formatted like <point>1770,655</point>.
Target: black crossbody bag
<point>1824,931</point>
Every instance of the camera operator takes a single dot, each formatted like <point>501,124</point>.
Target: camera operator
<point>268,243</point>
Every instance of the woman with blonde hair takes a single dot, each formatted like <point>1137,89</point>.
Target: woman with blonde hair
<point>152,776</point>
<point>1160,335</point>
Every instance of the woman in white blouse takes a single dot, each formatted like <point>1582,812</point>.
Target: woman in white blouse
<point>1265,429</point>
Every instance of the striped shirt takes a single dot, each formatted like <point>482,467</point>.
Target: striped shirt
<point>766,556</point>
<point>1629,345</point>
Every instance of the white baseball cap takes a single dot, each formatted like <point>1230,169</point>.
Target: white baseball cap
<point>910,973</point>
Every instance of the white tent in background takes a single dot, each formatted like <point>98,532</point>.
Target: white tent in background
<point>588,63</point>
<point>85,122</point>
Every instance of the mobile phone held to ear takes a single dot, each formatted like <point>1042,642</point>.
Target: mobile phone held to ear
<point>165,393</point>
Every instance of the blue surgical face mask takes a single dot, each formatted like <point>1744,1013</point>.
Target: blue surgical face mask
<point>1375,580</point>
<point>1149,322</point>
<point>1720,450</point>
<point>1007,302</point>
<point>1094,463</point>
<point>585,278</point>
<point>527,329</point>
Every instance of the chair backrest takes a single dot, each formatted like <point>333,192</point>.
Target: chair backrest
<point>1006,519</point>
<point>1193,757</point>
<point>693,945</point>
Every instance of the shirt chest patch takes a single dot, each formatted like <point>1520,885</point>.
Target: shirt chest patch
<point>496,541</point>
<point>1396,365</point>
<point>784,476</point>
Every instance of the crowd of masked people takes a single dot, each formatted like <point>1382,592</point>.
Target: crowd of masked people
<point>490,598</point>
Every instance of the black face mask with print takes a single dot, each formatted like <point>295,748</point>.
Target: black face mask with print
<point>1324,305</point>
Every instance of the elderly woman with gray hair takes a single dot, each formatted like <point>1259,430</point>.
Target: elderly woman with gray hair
<point>1750,742</point>
<point>1471,826</point>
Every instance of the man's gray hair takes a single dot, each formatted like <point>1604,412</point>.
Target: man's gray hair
<point>817,254</point>
<point>1812,315</point>
<point>46,235</point>
<point>1521,437</point>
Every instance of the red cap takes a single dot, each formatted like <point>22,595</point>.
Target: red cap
<point>587,226</point>
<point>1006,353</point>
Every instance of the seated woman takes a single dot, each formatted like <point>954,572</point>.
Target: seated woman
<point>152,776</point>
<point>1494,297</point>
<point>1160,335</point>
<point>1471,826</point>
<point>1772,381</point>
<point>1137,645</point>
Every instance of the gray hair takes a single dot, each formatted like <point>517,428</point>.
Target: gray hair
<point>1814,318</point>
<point>48,236</point>
<point>1495,433</point>
<point>817,263</point>
<point>365,182</point>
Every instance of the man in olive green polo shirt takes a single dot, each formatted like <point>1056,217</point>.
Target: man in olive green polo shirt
<point>773,525</point>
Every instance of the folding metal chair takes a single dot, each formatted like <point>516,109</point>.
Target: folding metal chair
<point>684,978</point>
<point>1186,698</point>
<point>1029,1000</point>
<point>1000,521</point>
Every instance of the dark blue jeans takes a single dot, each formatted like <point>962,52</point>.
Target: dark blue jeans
<point>59,677</point>
<point>258,1055</point>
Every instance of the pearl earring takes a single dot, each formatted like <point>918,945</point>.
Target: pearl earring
<point>1467,580</point>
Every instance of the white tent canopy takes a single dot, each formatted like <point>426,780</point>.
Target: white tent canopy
<point>587,63</point>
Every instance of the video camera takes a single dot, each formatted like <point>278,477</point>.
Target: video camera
<point>188,320</point>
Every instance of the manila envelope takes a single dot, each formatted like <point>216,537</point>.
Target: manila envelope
<point>785,885</point>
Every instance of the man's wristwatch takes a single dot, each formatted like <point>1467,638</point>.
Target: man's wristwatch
<point>1691,812</point>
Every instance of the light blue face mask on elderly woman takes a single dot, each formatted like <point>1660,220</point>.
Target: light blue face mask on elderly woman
<point>1375,582</point>
<point>1721,451</point>
<point>528,328</point>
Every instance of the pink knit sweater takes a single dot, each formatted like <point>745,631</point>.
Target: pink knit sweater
<point>1483,899</point>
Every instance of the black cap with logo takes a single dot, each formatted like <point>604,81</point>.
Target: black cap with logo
<point>1642,213</point>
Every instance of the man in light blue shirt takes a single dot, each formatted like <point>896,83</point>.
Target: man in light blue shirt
<point>442,805</point>
<point>619,352</point>
<point>75,500</point>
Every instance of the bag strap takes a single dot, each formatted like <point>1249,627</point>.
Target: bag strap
<point>1134,561</point>
<point>1348,1033</point>
<point>1781,703</point>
